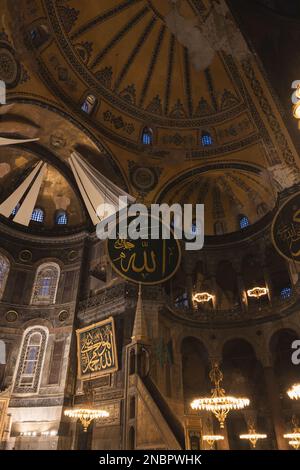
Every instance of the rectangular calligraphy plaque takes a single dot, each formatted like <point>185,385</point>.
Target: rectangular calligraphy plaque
<point>96,349</point>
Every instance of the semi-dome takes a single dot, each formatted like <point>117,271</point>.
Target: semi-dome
<point>165,89</point>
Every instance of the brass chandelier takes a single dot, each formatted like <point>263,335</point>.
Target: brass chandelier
<point>294,392</point>
<point>86,415</point>
<point>219,403</point>
<point>89,412</point>
<point>294,437</point>
<point>257,292</point>
<point>211,439</point>
<point>202,297</point>
<point>252,436</point>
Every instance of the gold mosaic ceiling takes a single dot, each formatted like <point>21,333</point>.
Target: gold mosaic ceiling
<point>55,193</point>
<point>180,67</point>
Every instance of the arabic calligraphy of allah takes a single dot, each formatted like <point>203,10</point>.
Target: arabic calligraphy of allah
<point>96,349</point>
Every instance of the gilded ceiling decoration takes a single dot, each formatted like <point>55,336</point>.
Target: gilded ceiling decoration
<point>227,192</point>
<point>181,68</point>
<point>55,192</point>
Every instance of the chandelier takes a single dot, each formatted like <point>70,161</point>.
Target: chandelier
<point>294,392</point>
<point>257,292</point>
<point>294,437</point>
<point>219,403</point>
<point>86,415</point>
<point>295,443</point>
<point>253,436</point>
<point>202,297</point>
<point>212,439</point>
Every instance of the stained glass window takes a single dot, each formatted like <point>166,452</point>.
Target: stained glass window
<point>46,283</point>
<point>31,360</point>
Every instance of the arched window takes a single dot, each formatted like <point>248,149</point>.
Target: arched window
<point>4,270</point>
<point>195,229</point>
<point>61,218</point>
<point>206,139</point>
<point>89,104</point>
<point>30,364</point>
<point>182,301</point>
<point>147,136</point>
<point>243,221</point>
<point>45,284</point>
<point>15,210</point>
<point>38,215</point>
<point>285,293</point>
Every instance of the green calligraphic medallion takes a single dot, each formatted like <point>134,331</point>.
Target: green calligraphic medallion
<point>286,229</point>
<point>145,260</point>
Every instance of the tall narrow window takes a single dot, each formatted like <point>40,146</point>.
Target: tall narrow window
<point>38,215</point>
<point>206,139</point>
<point>31,360</point>
<point>45,285</point>
<point>147,136</point>
<point>243,221</point>
<point>4,270</point>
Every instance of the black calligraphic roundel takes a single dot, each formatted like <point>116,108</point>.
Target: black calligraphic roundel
<point>145,260</point>
<point>286,229</point>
